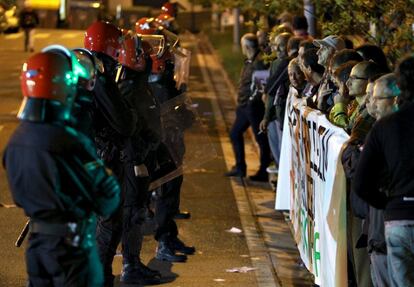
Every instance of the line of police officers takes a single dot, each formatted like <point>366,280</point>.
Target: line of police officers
<point>88,113</point>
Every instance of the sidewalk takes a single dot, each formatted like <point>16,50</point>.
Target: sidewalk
<point>273,231</point>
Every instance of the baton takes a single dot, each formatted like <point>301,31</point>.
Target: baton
<point>23,234</point>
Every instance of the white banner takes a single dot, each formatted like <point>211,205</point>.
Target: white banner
<point>311,184</point>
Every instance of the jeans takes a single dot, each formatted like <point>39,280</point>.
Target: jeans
<point>400,248</point>
<point>379,270</point>
<point>274,134</point>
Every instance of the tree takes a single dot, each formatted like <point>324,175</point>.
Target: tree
<point>387,23</point>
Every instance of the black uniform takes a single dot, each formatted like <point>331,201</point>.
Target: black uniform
<point>114,123</point>
<point>138,148</point>
<point>55,176</point>
<point>167,205</point>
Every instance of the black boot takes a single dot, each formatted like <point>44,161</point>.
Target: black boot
<point>180,246</point>
<point>182,215</point>
<point>166,252</point>
<point>138,273</point>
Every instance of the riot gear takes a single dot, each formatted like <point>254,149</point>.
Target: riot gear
<point>132,54</point>
<point>146,26</point>
<point>48,85</point>
<point>55,176</point>
<point>103,37</point>
<point>170,9</point>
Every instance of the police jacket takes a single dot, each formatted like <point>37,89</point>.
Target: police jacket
<point>135,91</point>
<point>55,176</point>
<point>389,146</point>
<point>114,119</point>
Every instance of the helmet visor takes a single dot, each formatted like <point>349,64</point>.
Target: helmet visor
<point>157,43</point>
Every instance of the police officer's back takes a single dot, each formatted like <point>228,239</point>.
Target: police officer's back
<point>55,177</point>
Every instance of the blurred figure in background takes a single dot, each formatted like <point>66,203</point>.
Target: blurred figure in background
<point>28,21</point>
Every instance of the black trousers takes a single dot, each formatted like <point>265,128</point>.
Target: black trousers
<point>248,115</point>
<point>166,206</point>
<point>52,262</point>
<point>124,226</point>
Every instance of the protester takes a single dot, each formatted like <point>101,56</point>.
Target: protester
<point>250,111</point>
<point>313,73</point>
<point>327,48</point>
<point>293,46</point>
<point>356,84</point>
<point>300,27</point>
<point>375,54</point>
<point>376,237</point>
<point>304,45</point>
<point>341,57</point>
<point>384,98</point>
<point>28,21</point>
<point>387,153</point>
<point>276,91</point>
<point>340,78</point>
<point>296,78</point>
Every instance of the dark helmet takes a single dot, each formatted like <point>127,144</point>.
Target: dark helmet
<point>103,37</point>
<point>85,58</point>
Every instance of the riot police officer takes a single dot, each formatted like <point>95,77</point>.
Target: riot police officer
<point>132,82</point>
<point>114,123</point>
<point>167,204</point>
<point>56,178</point>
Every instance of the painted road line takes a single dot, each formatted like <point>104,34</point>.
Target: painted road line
<point>41,35</point>
<point>265,274</point>
<point>13,36</point>
<point>71,35</point>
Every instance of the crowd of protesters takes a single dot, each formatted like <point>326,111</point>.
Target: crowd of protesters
<point>356,90</point>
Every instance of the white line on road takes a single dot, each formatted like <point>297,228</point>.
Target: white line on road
<point>13,36</point>
<point>70,35</point>
<point>42,35</point>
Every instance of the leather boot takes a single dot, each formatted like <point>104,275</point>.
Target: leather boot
<point>166,252</point>
<point>180,246</point>
<point>138,273</point>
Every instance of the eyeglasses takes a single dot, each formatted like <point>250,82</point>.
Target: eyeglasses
<point>357,78</point>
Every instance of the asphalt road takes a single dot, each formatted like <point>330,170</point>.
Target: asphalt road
<point>206,193</point>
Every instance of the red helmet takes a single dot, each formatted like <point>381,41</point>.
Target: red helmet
<point>159,62</point>
<point>146,26</point>
<point>49,76</point>
<point>164,20</point>
<point>132,55</point>
<point>169,8</point>
<point>103,37</point>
